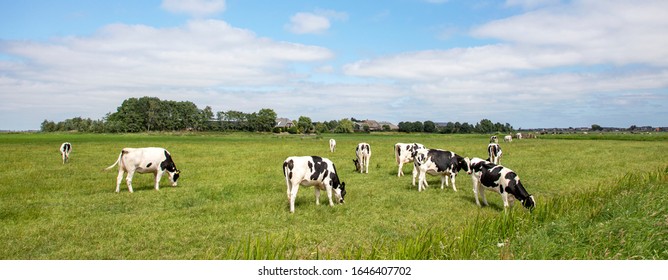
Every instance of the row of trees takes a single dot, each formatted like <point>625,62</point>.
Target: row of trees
<point>484,126</point>
<point>152,114</point>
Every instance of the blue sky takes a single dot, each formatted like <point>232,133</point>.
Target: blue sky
<point>530,63</point>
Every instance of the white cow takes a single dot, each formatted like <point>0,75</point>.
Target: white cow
<point>403,153</point>
<point>312,171</point>
<point>438,162</point>
<point>363,153</point>
<point>145,160</point>
<point>332,145</point>
<point>65,150</point>
<point>507,138</point>
<point>494,152</point>
<point>518,136</point>
<point>486,175</point>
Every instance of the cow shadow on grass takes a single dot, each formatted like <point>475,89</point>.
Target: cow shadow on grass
<point>492,205</point>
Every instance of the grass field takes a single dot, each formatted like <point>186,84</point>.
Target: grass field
<point>601,197</point>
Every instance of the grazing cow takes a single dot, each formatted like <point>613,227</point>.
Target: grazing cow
<point>65,150</point>
<point>438,162</point>
<point>493,139</point>
<point>518,136</point>
<point>403,153</point>
<point>312,171</point>
<point>507,138</point>
<point>332,145</point>
<point>145,160</point>
<point>363,153</point>
<point>501,180</point>
<point>494,151</point>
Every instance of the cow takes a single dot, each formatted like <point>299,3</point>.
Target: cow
<point>507,138</point>
<point>65,150</point>
<point>145,160</point>
<point>493,139</point>
<point>363,153</point>
<point>403,153</point>
<point>312,171</point>
<point>518,136</point>
<point>501,180</point>
<point>494,152</point>
<point>332,145</point>
<point>438,162</point>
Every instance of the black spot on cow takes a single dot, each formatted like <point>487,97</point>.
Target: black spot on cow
<point>149,164</point>
<point>445,160</point>
<point>490,176</point>
<point>318,168</point>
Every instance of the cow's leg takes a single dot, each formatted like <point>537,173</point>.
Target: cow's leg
<point>119,179</point>
<point>421,182</point>
<point>443,180</point>
<point>128,179</point>
<point>400,171</point>
<point>366,162</point>
<point>158,176</point>
<point>415,174</point>
<point>317,195</point>
<point>476,189</point>
<point>504,196</point>
<point>481,191</point>
<point>329,194</point>
<point>452,178</point>
<point>293,196</point>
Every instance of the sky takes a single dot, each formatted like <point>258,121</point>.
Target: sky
<point>529,63</point>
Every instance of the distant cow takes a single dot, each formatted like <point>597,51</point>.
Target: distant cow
<point>501,180</point>
<point>312,171</point>
<point>332,145</point>
<point>494,152</point>
<point>65,150</point>
<point>438,162</point>
<point>403,153</point>
<point>363,153</point>
<point>518,135</point>
<point>145,160</point>
<point>493,139</point>
<point>508,138</point>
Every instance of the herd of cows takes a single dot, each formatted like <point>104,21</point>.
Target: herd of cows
<point>321,172</point>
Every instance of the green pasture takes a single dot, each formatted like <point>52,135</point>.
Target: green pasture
<point>598,197</point>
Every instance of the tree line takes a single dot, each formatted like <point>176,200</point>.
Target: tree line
<point>147,114</point>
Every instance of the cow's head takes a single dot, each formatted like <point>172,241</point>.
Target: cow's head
<point>465,164</point>
<point>529,203</point>
<point>173,176</point>
<point>340,192</point>
<point>357,164</point>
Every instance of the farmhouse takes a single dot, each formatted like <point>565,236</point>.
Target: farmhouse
<point>284,123</point>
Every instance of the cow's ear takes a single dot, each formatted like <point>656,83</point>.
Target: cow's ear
<point>343,185</point>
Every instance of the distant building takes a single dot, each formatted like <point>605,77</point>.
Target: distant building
<point>389,124</point>
<point>284,123</point>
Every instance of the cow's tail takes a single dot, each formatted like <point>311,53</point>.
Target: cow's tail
<point>396,153</point>
<point>117,161</point>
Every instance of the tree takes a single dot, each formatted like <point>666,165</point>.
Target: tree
<point>344,126</point>
<point>304,124</point>
<point>596,127</point>
<point>429,127</point>
<point>266,119</point>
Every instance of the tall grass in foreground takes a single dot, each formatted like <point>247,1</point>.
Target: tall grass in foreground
<point>628,220</point>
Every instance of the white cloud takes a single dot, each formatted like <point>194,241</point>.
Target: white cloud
<point>196,8</point>
<point>317,22</point>
<point>69,75</point>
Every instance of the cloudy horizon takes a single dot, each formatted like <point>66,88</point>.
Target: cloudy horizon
<point>532,64</point>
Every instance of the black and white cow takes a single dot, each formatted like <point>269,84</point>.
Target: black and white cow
<point>65,150</point>
<point>501,180</point>
<point>332,145</point>
<point>145,160</point>
<point>494,152</point>
<point>312,171</point>
<point>438,162</point>
<point>403,153</point>
<point>363,153</point>
<point>494,139</point>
